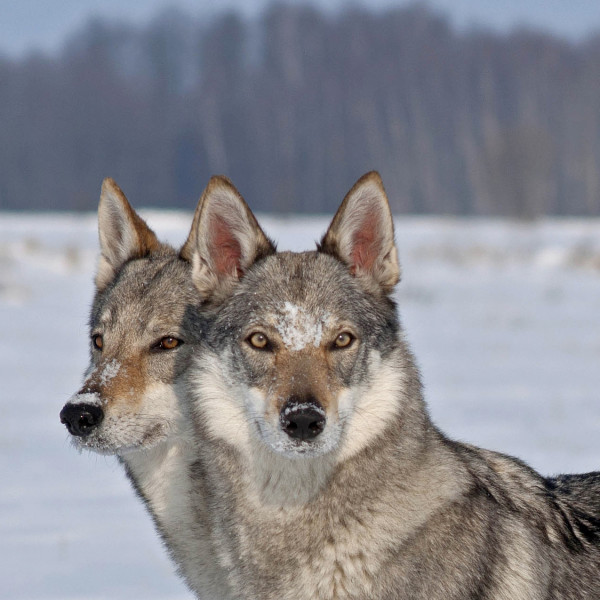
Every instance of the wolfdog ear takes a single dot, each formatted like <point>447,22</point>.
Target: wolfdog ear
<point>225,239</point>
<point>123,233</point>
<point>361,234</point>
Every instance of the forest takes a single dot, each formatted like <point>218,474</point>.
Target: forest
<point>295,105</point>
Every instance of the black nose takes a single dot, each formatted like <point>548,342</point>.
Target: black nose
<point>81,419</point>
<point>302,420</point>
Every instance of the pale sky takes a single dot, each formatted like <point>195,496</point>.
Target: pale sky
<point>27,25</point>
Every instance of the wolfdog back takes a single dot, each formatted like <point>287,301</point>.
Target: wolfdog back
<point>329,479</point>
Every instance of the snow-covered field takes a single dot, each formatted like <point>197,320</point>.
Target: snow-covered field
<point>504,319</point>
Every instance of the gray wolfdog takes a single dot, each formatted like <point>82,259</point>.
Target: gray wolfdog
<point>326,478</point>
<point>144,329</point>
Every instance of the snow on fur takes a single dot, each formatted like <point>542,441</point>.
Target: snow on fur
<point>299,328</point>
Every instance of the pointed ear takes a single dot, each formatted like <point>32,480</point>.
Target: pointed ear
<point>123,233</point>
<point>225,239</point>
<point>361,234</point>
<point>189,248</point>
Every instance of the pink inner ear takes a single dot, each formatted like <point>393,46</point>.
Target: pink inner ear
<point>226,249</point>
<point>365,245</point>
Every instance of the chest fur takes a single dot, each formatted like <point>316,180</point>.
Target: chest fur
<point>327,533</point>
<point>317,543</point>
<point>304,553</point>
<point>177,503</point>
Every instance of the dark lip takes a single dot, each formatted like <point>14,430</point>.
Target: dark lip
<point>152,434</point>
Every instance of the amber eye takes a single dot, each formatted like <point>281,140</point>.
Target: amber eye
<point>97,341</point>
<point>258,340</point>
<point>343,340</point>
<point>168,343</point>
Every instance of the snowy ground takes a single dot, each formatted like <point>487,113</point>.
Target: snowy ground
<point>504,319</point>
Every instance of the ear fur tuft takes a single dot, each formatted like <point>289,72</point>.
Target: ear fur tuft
<point>225,240</point>
<point>189,248</point>
<point>361,234</point>
<point>123,234</point>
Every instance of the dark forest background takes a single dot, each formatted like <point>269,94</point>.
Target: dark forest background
<point>296,105</point>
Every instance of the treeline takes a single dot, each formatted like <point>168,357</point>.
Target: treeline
<point>295,106</point>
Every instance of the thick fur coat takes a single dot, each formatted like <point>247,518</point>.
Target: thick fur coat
<point>269,413</point>
<point>379,504</point>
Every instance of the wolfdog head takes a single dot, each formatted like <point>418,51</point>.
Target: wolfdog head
<point>142,335</point>
<point>302,353</point>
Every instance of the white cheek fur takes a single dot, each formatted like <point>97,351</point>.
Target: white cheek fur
<point>368,409</point>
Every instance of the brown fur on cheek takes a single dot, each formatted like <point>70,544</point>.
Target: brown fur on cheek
<point>118,382</point>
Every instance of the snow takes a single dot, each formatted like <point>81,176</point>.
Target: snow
<point>295,408</point>
<point>93,399</point>
<point>110,371</point>
<point>503,317</point>
<point>298,328</point>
